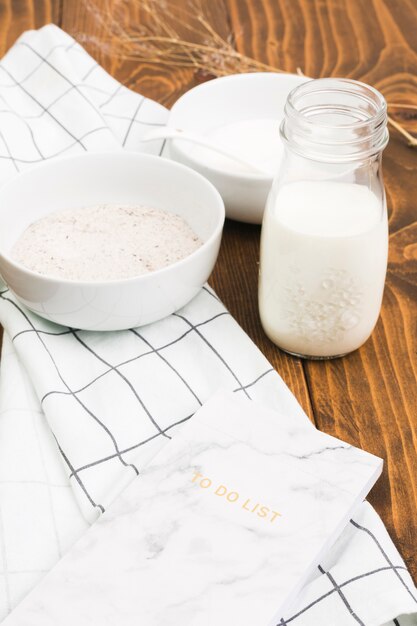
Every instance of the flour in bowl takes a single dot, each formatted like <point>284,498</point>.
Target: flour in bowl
<point>104,242</point>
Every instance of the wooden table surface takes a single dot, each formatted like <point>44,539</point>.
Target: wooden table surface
<point>368,398</point>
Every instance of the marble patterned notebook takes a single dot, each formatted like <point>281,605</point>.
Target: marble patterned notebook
<point>222,527</point>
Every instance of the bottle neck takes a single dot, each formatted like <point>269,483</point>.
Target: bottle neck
<point>335,121</point>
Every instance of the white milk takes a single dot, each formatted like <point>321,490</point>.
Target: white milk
<point>323,262</point>
<point>256,141</point>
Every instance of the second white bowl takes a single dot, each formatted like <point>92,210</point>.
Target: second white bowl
<point>223,101</point>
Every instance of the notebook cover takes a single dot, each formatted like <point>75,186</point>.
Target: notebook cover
<point>222,527</point>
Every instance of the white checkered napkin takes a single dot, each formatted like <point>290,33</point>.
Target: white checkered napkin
<point>352,589</point>
<point>92,408</point>
<point>56,100</point>
<point>39,516</point>
<point>112,400</point>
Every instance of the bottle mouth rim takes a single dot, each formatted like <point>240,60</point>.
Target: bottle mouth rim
<point>337,86</point>
<point>314,123</point>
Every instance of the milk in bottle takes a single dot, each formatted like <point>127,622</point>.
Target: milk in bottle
<point>324,256</point>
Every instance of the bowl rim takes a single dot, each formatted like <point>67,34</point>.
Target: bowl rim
<point>131,279</point>
<point>206,86</point>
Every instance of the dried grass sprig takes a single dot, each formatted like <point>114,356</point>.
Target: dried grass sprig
<point>168,35</point>
<point>411,141</point>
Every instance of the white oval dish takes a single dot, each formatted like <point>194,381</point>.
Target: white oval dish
<point>223,101</point>
<point>111,178</point>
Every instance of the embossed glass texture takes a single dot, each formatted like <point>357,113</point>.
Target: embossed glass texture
<point>325,236</point>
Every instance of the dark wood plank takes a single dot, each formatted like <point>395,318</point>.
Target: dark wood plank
<point>98,24</point>
<point>17,16</point>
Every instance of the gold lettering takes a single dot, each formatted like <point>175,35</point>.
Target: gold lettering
<point>196,477</point>
<point>263,511</point>
<point>233,496</point>
<point>275,514</point>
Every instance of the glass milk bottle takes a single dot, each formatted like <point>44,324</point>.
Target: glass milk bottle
<point>324,241</point>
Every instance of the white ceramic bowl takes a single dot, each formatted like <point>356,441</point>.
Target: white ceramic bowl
<point>126,178</point>
<point>223,101</point>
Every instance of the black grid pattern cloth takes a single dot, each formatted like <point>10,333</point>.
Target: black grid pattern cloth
<point>81,412</point>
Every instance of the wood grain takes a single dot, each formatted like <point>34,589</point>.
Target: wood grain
<point>17,16</point>
<point>87,21</point>
<point>368,398</point>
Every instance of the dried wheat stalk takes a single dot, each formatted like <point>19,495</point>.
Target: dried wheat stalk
<point>183,37</point>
